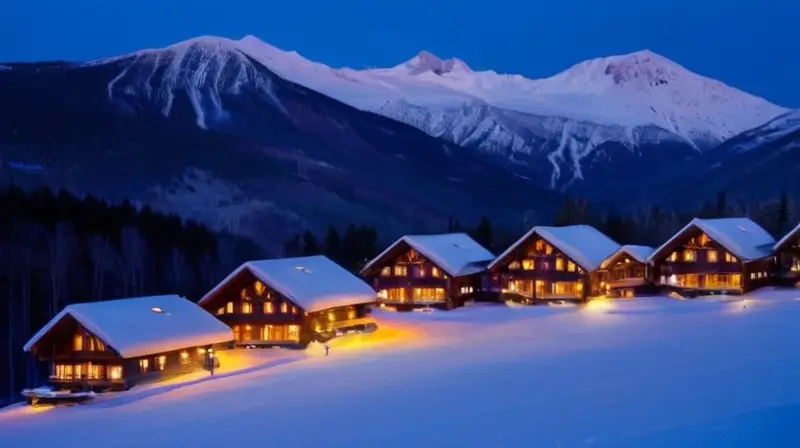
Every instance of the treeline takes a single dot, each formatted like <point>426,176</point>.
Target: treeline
<point>358,244</point>
<point>57,249</point>
<point>651,225</point>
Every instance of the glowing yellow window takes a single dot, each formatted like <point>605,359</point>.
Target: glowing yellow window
<point>294,333</point>
<point>400,270</point>
<point>527,264</point>
<point>269,308</point>
<point>514,265</point>
<point>284,308</point>
<point>77,342</point>
<point>539,245</point>
<point>259,288</point>
<point>247,308</point>
<point>386,271</point>
<point>548,249</point>
<point>689,255</point>
<point>144,365</point>
<point>351,314</point>
<point>220,311</point>
<point>331,316</point>
<point>435,272</point>
<point>229,308</point>
<point>114,372</point>
<point>712,256</point>
<point>729,258</point>
<point>185,359</point>
<point>161,362</point>
<point>673,257</point>
<point>237,333</point>
<point>570,266</point>
<point>559,264</point>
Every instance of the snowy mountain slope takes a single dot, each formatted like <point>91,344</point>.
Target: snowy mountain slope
<point>754,165</point>
<point>556,130</point>
<point>208,132</point>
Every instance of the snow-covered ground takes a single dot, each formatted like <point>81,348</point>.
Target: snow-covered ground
<point>639,373</point>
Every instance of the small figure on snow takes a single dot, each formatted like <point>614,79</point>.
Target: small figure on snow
<point>327,349</point>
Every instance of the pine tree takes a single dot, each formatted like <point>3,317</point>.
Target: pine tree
<point>333,244</point>
<point>483,233</point>
<point>310,244</point>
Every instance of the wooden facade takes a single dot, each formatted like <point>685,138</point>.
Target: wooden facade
<point>622,275</point>
<point>261,316</point>
<point>787,257</point>
<point>81,360</point>
<point>537,270</point>
<point>406,279</point>
<point>694,264</point>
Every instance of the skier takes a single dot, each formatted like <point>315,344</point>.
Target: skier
<point>327,349</point>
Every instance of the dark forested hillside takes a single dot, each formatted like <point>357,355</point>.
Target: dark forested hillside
<point>57,249</point>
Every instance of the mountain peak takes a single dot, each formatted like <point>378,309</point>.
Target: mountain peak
<point>426,61</point>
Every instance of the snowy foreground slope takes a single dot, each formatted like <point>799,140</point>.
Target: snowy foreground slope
<point>650,372</point>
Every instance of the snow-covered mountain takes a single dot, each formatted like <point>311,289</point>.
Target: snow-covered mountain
<point>563,130</point>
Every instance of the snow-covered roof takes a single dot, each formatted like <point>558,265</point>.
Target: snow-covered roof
<point>313,283</point>
<point>583,244</point>
<point>638,253</point>
<point>786,238</point>
<point>455,253</point>
<point>740,236</point>
<point>144,325</point>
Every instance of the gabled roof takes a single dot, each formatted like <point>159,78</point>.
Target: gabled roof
<point>455,253</point>
<point>638,253</point>
<point>313,283</point>
<point>135,327</point>
<point>788,237</point>
<point>583,244</point>
<point>740,236</point>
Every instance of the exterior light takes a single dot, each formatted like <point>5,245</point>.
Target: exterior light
<point>156,309</point>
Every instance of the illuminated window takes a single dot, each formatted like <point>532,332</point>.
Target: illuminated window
<point>331,316</point>
<point>570,266</point>
<point>229,308</point>
<point>514,265</point>
<point>548,249</point>
<point>247,308</point>
<point>243,294</point>
<point>396,294</point>
<point>77,342</point>
<point>114,372</point>
<point>144,365</point>
<point>435,272</point>
<point>96,345</point>
<point>220,311</point>
<point>185,359</point>
<point>237,333</point>
<point>161,362</point>
<point>689,255</point>
<point>527,264</point>
<point>400,270</point>
<point>752,276</point>
<point>386,271</point>
<point>420,271</point>
<point>559,264</point>
<point>259,288</point>
<point>428,294</point>
<point>269,308</point>
<point>294,333</point>
<point>712,256</point>
<point>729,258</point>
<point>673,257</point>
<point>703,239</point>
<point>284,308</point>
<point>248,333</point>
<point>294,309</point>
<point>351,314</point>
<point>539,245</point>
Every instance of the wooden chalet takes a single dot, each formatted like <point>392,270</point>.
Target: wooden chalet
<point>550,263</point>
<point>787,257</point>
<point>707,256</point>
<point>114,344</point>
<point>291,302</point>
<point>439,271</point>
<point>625,273</point>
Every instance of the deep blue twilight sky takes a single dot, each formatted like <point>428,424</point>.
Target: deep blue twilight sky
<point>750,44</point>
